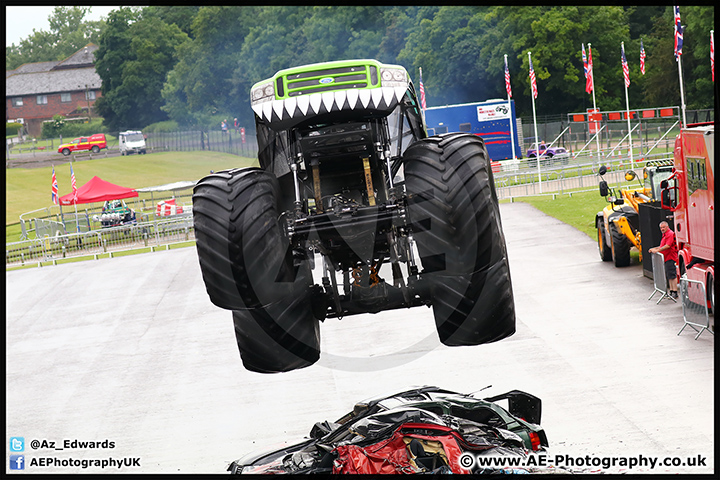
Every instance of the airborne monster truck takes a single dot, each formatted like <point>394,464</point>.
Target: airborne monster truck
<point>351,191</point>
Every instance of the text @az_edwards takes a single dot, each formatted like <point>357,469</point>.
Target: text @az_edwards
<point>68,444</point>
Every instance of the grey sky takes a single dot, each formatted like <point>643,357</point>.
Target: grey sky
<point>20,21</point>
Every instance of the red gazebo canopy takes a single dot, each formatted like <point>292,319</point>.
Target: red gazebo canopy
<point>98,190</point>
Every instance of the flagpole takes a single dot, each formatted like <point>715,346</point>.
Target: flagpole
<point>682,94</point>
<point>537,142</point>
<point>592,79</point>
<point>627,114</point>
<point>712,54</point>
<point>77,225</point>
<point>512,134</point>
<point>422,107</point>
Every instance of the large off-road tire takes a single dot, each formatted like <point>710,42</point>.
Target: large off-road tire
<point>620,247</point>
<point>605,251</point>
<point>454,212</point>
<point>247,267</point>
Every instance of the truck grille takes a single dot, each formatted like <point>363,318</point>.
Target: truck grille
<point>359,76</point>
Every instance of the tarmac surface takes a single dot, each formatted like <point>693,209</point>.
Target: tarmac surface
<point>130,350</point>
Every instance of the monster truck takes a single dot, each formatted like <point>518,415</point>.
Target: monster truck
<point>547,155</point>
<point>350,190</point>
<point>114,213</point>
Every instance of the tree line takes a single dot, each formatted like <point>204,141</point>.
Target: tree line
<point>195,65</point>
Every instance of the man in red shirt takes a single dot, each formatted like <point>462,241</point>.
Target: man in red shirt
<point>669,250</point>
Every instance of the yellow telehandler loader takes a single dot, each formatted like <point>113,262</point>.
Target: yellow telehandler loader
<point>618,224</point>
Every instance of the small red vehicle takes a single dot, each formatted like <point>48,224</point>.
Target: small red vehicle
<point>93,143</point>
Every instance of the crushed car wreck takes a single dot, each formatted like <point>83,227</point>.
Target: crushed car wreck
<point>422,430</point>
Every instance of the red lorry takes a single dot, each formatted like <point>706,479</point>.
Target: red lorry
<point>690,194</point>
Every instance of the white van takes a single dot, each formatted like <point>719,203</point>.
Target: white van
<point>131,141</point>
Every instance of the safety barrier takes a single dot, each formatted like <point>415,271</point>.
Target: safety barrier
<point>517,179</point>
<point>694,315</point>
<point>659,278</point>
<point>152,234</point>
<point>47,219</point>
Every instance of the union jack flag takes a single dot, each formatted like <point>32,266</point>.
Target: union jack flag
<point>678,33</point>
<point>712,54</point>
<point>423,104</point>
<point>507,79</point>
<point>642,58</point>
<point>586,68</point>
<point>590,70</point>
<point>54,187</point>
<point>73,184</point>
<point>533,82</point>
<point>626,69</point>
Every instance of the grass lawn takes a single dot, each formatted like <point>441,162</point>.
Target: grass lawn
<point>28,189</point>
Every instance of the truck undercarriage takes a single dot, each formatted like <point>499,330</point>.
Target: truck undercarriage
<point>354,210</point>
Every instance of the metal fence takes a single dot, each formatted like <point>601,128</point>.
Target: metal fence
<point>518,178</point>
<point>695,315</point>
<point>659,278</point>
<point>646,130</point>
<point>152,234</point>
<point>232,142</point>
<point>51,220</point>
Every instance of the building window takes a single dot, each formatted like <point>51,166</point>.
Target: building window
<point>65,97</point>
<point>42,99</point>
<point>17,102</point>
<point>89,94</point>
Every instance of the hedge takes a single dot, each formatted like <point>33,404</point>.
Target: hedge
<point>74,129</point>
<point>11,129</point>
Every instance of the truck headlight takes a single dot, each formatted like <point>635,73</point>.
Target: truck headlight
<point>393,77</point>
<point>263,93</point>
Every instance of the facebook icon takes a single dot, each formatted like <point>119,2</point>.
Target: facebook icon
<point>17,462</point>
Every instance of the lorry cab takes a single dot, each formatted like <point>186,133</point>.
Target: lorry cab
<point>690,194</point>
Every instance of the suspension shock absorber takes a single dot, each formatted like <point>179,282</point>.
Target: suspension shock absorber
<point>383,153</point>
<point>315,167</point>
<point>298,199</point>
<point>294,165</point>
